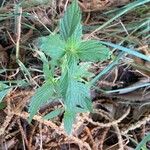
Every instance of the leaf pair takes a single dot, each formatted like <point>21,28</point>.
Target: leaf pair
<point>91,50</point>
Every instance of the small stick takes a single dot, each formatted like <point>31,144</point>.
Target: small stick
<point>18,11</point>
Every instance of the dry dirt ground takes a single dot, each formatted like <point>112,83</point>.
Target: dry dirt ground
<point>120,121</point>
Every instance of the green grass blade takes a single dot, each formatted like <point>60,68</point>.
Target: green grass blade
<point>129,89</point>
<point>24,70</point>
<point>127,8</point>
<point>4,89</point>
<point>127,50</point>
<point>143,142</point>
<point>108,68</point>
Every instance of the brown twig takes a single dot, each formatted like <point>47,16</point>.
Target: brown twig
<point>102,138</point>
<point>135,125</point>
<point>24,138</point>
<point>57,129</point>
<point>110,123</point>
<point>120,140</point>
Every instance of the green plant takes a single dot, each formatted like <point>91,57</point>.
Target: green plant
<point>4,90</point>
<point>67,50</point>
<point>142,144</point>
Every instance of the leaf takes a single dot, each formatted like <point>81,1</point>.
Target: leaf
<point>93,51</point>
<point>80,110</point>
<point>68,70</point>
<point>46,69</point>
<point>63,84</point>
<point>4,89</point>
<point>41,96</point>
<point>52,45</point>
<point>53,113</point>
<point>69,118</point>
<point>70,23</point>
<point>75,93</point>
<point>82,71</point>
<point>78,94</point>
<point>2,105</point>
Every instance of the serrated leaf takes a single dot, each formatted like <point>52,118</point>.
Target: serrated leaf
<point>46,69</point>
<point>75,93</point>
<point>52,45</point>
<point>68,70</point>
<point>69,118</point>
<point>70,23</point>
<point>41,96</point>
<point>78,94</point>
<point>93,51</point>
<point>82,70</point>
<point>80,110</point>
<point>4,89</point>
<point>77,34</point>
<point>53,113</point>
<point>63,84</point>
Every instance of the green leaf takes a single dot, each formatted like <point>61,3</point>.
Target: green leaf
<point>70,24</point>
<point>53,113</point>
<point>4,89</point>
<point>41,96</point>
<point>69,118</point>
<point>52,45</point>
<point>2,105</point>
<point>68,71</point>
<point>63,84</point>
<point>93,51</point>
<point>78,94</point>
<point>82,71</point>
<point>75,93</point>
<point>46,69</point>
<point>80,110</point>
